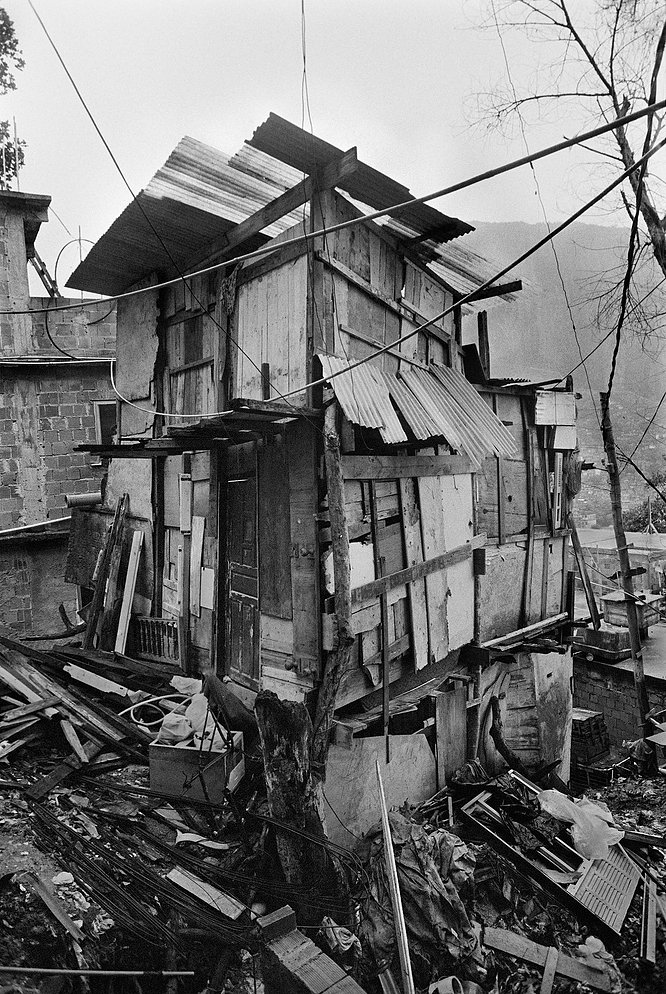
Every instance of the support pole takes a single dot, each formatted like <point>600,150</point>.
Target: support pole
<point>623,556</point>
<point>338,660</point>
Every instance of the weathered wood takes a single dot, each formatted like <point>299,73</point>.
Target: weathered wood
<point>584,575</point>
<point>337,662</point>
<point>97,603</point>
<point>61,773</point>
<point>549,970</point>
<point>73,739</point>
<point>450,732</point>
<point>25,709</point>
<point>286,732</point>
<point>128,592</point>
<point>304,565</point>
<point>215,898</point>
<point>274,537</point>
<point>57,908</point>
<point>418,571</point>
<point>411,524</point>
<point>403,467</point>
<point>523,948</point>
<point>196,551</point>
<point>331,175</point>
<point>380,567</point>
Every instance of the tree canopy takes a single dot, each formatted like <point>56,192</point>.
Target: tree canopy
<point>11,61</point>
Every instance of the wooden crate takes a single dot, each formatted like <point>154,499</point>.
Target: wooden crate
<point>178,770</point>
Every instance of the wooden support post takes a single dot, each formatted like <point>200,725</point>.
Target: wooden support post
<point>380,563</point>
<point>114,536</point>
<point>337,662</point>
<point>625,565</point>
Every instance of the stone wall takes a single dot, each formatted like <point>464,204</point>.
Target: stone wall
<point>603,687</point>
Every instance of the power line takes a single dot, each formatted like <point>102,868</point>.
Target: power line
<point>148,221</point>
<point>384,212</point>
<point>647,428</point>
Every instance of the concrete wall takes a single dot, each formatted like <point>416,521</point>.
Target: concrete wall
<point>32,586</point>
<point>605,688</point>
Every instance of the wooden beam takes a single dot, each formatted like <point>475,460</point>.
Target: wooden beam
<point>290,200</point>
<point>515,286</point>
<point>375,588</point>
<point>403,467</point>
<point>523,948</point>
<point>584,575</point>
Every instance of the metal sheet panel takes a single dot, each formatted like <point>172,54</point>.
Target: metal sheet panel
<point>198,195</point>
<point>364,397</point>
<point>305,152</point>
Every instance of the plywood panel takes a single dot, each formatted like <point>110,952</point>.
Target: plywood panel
<point>432,532</point>
<point>450,732</point>
<point>500,594</point>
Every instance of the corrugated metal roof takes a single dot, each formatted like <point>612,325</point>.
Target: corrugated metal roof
<point>199,194</point>
<point>305,152</point>
<point>365,398</point>
<point>436,402</point>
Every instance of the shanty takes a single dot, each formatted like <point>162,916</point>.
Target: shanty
<point>332,632</point>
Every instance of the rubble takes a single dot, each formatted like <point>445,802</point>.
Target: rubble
<point>120,875</point>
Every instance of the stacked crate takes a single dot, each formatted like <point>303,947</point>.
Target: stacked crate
<point>589,737</point>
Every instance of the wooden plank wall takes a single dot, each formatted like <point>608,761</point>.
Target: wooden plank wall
<point>270,327</point>
<point>364,275</point>
<point>417,519</point>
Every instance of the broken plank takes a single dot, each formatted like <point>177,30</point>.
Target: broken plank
<point>73,739</point>
<point>21,687</point>
<point>61,773</point>
<point>95,680</point>
<point>212,896</point>
<point>13,744</point>
<point>26,709</point>
<point>549,970</point>
<point>523,948</point>
<point>39,887</point>
<point>128,592</point>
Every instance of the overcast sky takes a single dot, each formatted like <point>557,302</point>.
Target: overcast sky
<point>394,78</point>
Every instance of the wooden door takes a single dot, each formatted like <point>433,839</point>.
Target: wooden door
<point>242,642</point>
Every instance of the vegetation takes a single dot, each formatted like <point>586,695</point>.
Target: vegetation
<point>11,61</point>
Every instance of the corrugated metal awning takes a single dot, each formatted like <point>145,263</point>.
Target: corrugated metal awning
<point>434,402</point>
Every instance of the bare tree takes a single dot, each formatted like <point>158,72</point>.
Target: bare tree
<point>610,56</point>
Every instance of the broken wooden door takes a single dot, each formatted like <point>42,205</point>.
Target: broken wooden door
<point>242,642</point>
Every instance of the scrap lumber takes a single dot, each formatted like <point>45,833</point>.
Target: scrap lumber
<point>73,739</point>
<point>128,592</point>
<point>566,966</point>
<point>39,887</point>
<point>61,773</point>
<point>215,898</point>
<point>102,572</point>
<point>25,709</point>
<point>11,745</point>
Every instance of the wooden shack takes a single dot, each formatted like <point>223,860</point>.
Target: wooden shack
<point>454,495</point>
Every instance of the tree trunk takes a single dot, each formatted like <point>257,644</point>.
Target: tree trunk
<point>285,732</point>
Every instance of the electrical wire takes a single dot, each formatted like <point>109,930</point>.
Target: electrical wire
<point>137,202</point>
<point>271,248</point>
<point>543,211</point>
<point>647,428</point>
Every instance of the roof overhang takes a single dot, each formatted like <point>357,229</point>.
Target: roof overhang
<point>33,207</point>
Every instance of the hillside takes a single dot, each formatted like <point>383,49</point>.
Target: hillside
<point>534,338</point>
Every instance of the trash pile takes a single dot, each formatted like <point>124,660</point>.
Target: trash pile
<point>136,835</point>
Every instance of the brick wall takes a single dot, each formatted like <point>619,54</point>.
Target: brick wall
<point>42,418</point>
<point>602,687</point>
<point>87,330</point>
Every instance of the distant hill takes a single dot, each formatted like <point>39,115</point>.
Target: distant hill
<point>533,337</point>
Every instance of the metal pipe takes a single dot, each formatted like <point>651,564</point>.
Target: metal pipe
<point>36,524</point>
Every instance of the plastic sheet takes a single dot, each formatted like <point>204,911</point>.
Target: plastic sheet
<point>592,828</point>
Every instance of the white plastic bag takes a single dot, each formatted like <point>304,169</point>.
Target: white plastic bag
<point>592,831</point>
<point>174,728</point>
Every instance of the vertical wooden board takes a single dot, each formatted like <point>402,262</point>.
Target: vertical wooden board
<point>128,592</point>
<point>411,523</point>
<point>171,492</point>
<point>450,732</point>
<point>296,326</point>
<point>556,576</point>
<point>274,534</point>
<point>196,550</point>
<point>432,532</point>
<point>304,561</point>
<point>457,503</point>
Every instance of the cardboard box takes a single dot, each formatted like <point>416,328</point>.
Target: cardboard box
<point>178,770</point>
